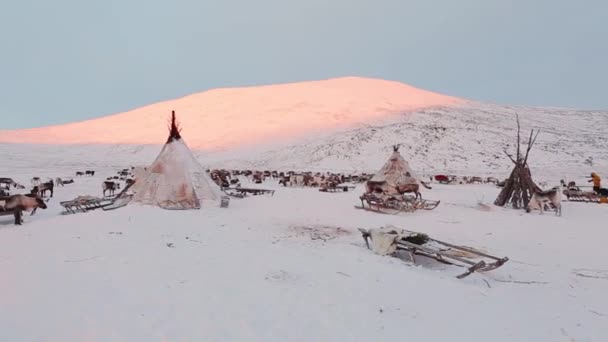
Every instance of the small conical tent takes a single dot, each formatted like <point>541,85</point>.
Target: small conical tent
<point>396,171</point>
<point>175,180</point>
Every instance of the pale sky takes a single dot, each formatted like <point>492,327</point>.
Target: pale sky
<point>68,60</point>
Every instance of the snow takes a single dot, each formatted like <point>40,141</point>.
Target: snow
<point>293,267</point>
<point>226,118</point>
<point>466,139</point>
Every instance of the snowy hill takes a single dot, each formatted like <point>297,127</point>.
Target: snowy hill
<point>467,139</point>
<point>228,118</point>
<point>346,124</point>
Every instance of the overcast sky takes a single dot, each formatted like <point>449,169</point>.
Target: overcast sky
<point>67,60</point>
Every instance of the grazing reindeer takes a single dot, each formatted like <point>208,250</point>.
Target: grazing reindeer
<point>90,173</point>
<point>20,203</point>
<point>406,188</point>
<point>43,188</point>
<point>109,187</point>
<point>541,198</point>
<point>285,180</point>
<point>79,173</point>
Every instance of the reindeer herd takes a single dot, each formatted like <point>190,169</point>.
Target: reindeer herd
<point>227,178</point>
<point>43,190</point>
<point>222,177</point>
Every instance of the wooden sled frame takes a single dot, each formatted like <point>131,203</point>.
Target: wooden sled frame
<point>105,203</point>
<point>243,192</point>
<point>84,205</point>
<point>395,204</point>
<point>581,196</point>
<point>337,188</point>
<point>443,257</point>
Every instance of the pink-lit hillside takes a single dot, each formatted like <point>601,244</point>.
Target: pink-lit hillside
<point>225,118</point>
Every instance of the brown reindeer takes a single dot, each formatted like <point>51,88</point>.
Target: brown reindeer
<point>407,188</point>
<point>109,187</point>
<point>19,203</point>
<point>41,189</point>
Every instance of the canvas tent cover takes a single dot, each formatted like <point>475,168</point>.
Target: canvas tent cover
<point>394,172</point>
<point>175,180</point>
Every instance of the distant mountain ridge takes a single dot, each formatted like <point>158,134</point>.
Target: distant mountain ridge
<point>232,117</point>
<point>347,124</point>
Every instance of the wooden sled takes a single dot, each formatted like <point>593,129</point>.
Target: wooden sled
<point>395,204</point>
<point>575,195</point>
<point>244,192</point>
<point>87,203</point>
<point>233,193</point>
<point>421,244</point>
<point>84,203</point>
<point>337,188</point>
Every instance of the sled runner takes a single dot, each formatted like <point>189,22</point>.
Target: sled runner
<point>88,203</point>
<point>84,204</point>
<point>393,204</point>
<point>386,241</point>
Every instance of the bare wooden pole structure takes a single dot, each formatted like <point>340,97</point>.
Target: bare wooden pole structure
<point>519,187</point>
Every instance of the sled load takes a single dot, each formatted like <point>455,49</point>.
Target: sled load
<point>175,180</point>
<point>391,240</point>
<point>386,190</point>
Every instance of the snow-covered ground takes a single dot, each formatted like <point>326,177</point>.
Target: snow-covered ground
<point>293,267</point>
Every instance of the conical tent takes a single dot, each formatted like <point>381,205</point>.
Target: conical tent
<point>175,180</point>
<point>396,171</point>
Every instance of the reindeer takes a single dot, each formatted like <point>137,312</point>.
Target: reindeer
<point>20,203</point>
<point>109,187</point>
<point>79,173</point>
<point>541,198</point>
<point>407,188</point>
<point>474,180</point>
<point>59,181</point>
<point>285,180</point>
<point>41,189</point>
